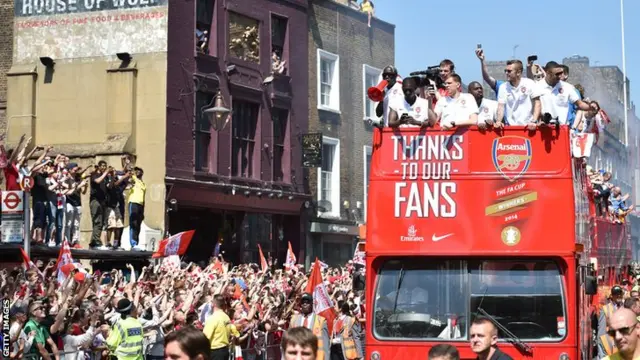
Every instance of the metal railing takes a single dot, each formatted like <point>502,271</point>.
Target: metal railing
<point>271,352</point>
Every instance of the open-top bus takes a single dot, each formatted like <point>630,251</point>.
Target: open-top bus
<point>465,223</point>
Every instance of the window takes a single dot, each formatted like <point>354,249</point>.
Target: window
<point>367,167</point>
<point>279,36</point>
<point>256,229</point>
<point>280,121</point>
<point>244,37</point>
<point>417,299</point>
<point>244,122</point>
<point>203,131</point>
<point>336,253</point>
<point>329,175</point>
<point>370,77</point>
<point>204,17</point>
<point>328,81</point>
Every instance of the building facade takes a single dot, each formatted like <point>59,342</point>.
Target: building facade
<point>242,184</point>
<point>346,57</point>
<point>88,78</point>
<point>6,56</point>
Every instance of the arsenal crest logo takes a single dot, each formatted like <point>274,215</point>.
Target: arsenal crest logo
<point>462,101</point>
<point>486,110</point>
<point>560,91</point>
<point>418,110</point>
<point>511,156</point>
<point>524,89</point>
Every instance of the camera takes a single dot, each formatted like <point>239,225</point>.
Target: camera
<point>423,76</point>
<point>547,119</point>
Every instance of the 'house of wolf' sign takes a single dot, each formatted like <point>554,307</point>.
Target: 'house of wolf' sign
<point>69,29</point>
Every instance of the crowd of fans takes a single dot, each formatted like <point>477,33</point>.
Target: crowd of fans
<point>58,186</point>
<point>610,202</point>
<point>241,309</point>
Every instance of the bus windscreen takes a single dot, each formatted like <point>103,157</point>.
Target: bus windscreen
<point>421,298</point>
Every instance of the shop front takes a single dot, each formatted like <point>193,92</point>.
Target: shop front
<point>333,242</point>
<point>238,222</point>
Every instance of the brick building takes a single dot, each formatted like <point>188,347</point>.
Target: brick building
<point>242,184</point>
<point>345,58</point>
<point>6,54</point>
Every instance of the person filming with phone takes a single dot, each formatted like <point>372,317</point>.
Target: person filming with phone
<point>410,110</point>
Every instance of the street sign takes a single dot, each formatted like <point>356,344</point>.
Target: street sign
<point>26,183</point>
<point>13,215</point>
<point>12,202</point>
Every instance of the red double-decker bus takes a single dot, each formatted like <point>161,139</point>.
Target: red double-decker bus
<point>466,223</point>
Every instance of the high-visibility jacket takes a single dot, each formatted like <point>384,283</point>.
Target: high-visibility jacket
<point>349,349</point>
<point>608,309</point>
<point>126,339</point>
<point>319,324</point>
<point>608,345</point>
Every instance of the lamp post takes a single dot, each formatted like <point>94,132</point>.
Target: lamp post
<point>218,114</point>
<point>624,77</point>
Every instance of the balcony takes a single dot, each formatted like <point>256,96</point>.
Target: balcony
<point>279,89</point>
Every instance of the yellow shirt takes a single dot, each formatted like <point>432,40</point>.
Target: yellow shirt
<point>366,7</point>
<point>138,189</point>
<point>218,329</point>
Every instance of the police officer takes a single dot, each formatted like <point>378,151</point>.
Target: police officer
<point>125,340</point>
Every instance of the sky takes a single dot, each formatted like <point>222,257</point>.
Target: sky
<point>560,29</point>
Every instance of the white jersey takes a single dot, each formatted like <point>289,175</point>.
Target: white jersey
<point>487,111</point>
<point>555,100</point>
<point>391,95</point>
<point>518,101</point>
<point>451,110</point>
<point>419,111</point>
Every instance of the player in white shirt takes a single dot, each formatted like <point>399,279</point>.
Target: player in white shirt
<point>456,109</point>
<point>556,95</point>
<point>392,91</point>
<point>487,108</point>
<point>410,110</point>
<point>518,98</point>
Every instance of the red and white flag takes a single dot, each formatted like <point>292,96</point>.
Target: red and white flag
<point>323,266</point>
<point>581,145</point>
<point>238,353</point>
<point>78,271</point>
<point>359,257</point>
<point>64,258</point>
<point>27,264</point>
<point>263,261</point>
<point>174,245</point>
<point>322,303</point>
<point>290,261</point>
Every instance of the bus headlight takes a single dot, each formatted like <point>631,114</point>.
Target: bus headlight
<point>564,356</point>
<point>375,355</point>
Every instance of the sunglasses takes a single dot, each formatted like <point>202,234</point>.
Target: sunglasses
<point>625,331</point>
